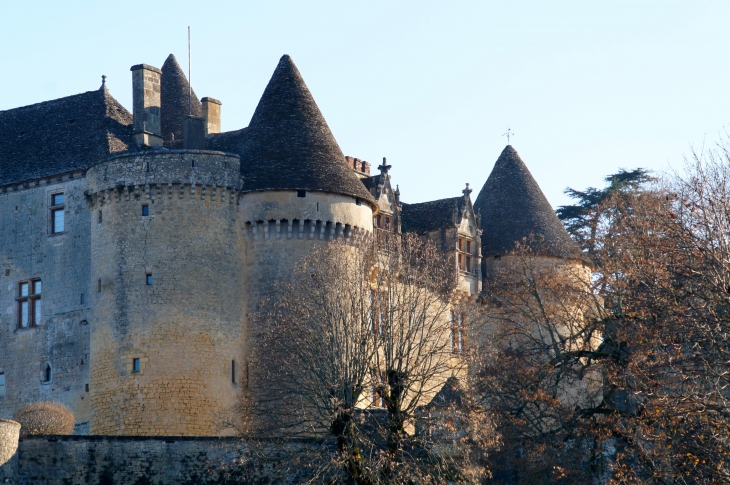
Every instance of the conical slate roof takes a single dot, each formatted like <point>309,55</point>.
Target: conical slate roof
<point>288,145</point>
<point>174,104</point>
<point>513,208</point>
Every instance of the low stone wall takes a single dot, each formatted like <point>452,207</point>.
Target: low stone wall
<point>112,460</point>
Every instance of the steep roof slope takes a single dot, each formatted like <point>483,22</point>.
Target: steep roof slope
<point>513,208</point>
<point>288,145</point>
<point>174,104</point>
<point>432,215</point>
<point>62,135</point>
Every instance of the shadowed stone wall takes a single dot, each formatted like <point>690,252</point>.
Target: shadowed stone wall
<point>105,460</point>
<point>29,250</point>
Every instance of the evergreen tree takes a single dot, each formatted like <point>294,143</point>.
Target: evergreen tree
<point>582,218</point>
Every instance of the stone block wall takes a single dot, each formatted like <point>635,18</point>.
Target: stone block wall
<point>28,250</point>
<point>107,460</point>
<point>167,260</point>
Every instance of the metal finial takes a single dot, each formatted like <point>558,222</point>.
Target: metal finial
<point>103,79</point>
<point>508,134</point>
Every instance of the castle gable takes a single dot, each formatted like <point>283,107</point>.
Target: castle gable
<point>61,135</point>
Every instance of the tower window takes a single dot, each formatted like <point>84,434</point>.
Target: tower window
<point>233,371</point>
<point>99,217</point>
<point>47,373</point>
<point>145,210</point>
<point>2,384</point>
<point>98,285</point>
<point>135,365</point>
<point>29,303</point>
<point>149,279</point>
<point>301,193</point>
<point>83,299</point>
<point>358,201</point>
<point>58,222</point>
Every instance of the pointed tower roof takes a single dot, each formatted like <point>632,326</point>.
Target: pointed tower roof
<point>174,105</point>
<point>513,208</point>
<point>288,145</point>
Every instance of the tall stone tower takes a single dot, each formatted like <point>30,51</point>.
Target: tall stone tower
<point>298,190</point>
<point>167,271</point>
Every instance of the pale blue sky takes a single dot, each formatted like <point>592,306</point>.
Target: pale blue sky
<point>587,87</point>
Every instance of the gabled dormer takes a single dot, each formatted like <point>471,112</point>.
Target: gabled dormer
<point>453,225</point>
<point>387,217</point>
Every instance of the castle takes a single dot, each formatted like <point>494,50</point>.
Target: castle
<point>133,246</point>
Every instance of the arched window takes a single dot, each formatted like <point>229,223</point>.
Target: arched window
<point>47,373</point>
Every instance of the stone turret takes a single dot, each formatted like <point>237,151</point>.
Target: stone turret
<point>298,191</point>
<point>167,270</point>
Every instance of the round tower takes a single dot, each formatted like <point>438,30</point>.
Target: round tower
<point>167,271</point>
<point>514,211</point>
<point>298,190</point>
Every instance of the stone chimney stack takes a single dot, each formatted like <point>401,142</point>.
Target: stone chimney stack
<point>147,130</point>
<point>212,115</point>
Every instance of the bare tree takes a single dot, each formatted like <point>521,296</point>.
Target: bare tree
<point>352,329</point>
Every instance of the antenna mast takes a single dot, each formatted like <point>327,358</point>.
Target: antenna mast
<point>190,80</point>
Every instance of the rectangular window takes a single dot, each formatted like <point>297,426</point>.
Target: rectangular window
<point>458,332</point>
<point>99,217</point>
<point>301,193</point>
<point>461,244</point>
<point>83,299</point>
<point>2,384</point>
<point>29,303</point>
<point>135,365</point>
<point>145,210</point>
<point>149,279</point>
<point>233,371</point>
<point>461,262</point>
<point>468,264</point>
<point>98,285</point>
<point>58,222</point>
<point>468,246</point>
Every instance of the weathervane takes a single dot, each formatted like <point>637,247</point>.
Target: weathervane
<point>508,134</point>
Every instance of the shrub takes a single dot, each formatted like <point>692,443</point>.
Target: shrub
<point>45,418</point>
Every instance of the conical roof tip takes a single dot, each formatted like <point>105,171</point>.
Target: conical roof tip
<point>513,208</point>
<point>174,99</point>
<point>289,145</point>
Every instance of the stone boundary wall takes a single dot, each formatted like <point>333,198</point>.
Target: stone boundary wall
<point>137,460</point>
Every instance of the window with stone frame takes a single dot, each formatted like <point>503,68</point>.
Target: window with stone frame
<point>29,303</point>
<point>464,254</point>
<point>58,213</point>
<point>458,332</point>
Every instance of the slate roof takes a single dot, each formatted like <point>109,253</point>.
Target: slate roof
<point>513,208</point>
<point>62,135</point>
<point>431,216</point>
<point>288,145</point>
<point>174,106</point>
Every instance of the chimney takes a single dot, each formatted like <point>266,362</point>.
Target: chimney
<point>212,115</point>
<point>194,133</point>
<point>146,105</point>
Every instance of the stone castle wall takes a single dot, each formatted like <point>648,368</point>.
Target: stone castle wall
<point>28,250</point>
<point>184,325</point>
<point>106,460</point>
